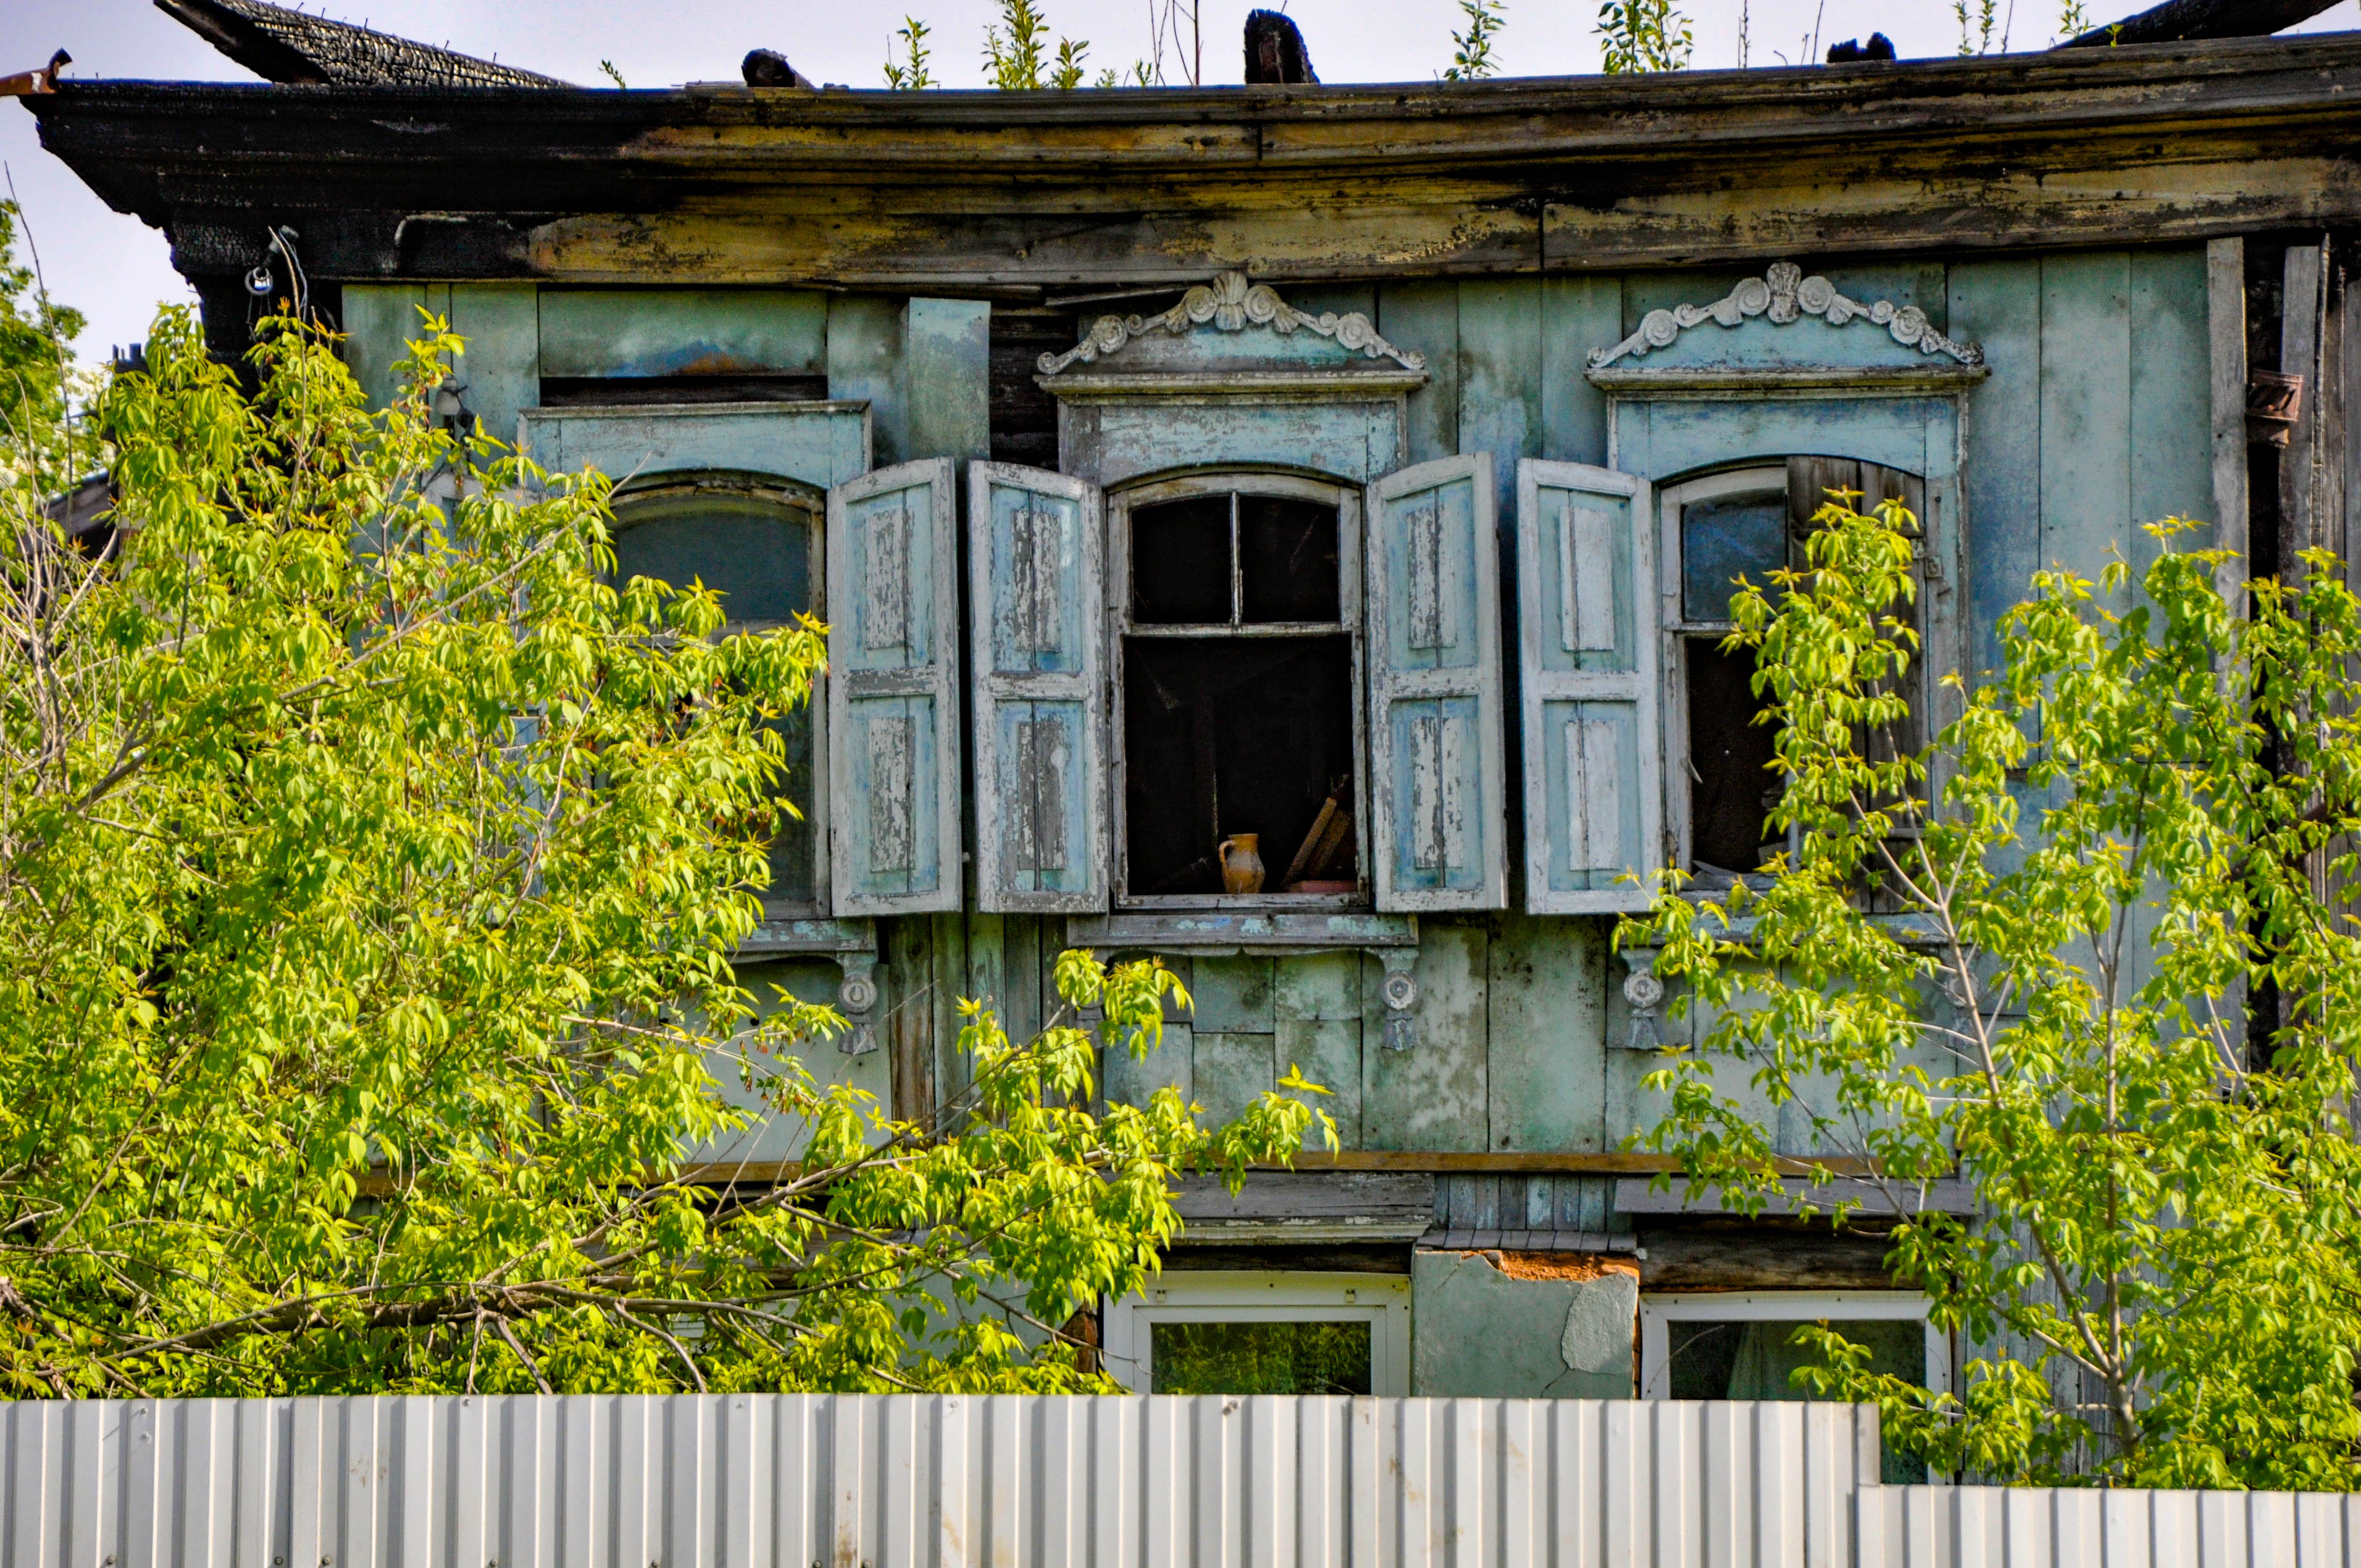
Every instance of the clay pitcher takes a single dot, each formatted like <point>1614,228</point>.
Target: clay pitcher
<point>1241,870</point>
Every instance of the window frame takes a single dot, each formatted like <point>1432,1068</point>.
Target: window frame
<point>1676,631</point>
<point>1659,1311</point>
<point>790,494</point>
<point>1351,622</point>
<point>1257,1296</point>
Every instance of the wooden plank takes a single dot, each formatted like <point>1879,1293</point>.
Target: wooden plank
<point>1455,1164</point>
<point>1317,986</point>
<point>1578,314</point>
<point>2225,337</point>
<point>1230,1072</point>
<point>1432,1095</point>
<point>1232,996</point>
<point>950,960</point>
<point>500,369</point>
<point>379,320</point>
<point>1547,1023</point>
<point>1500,331</point>
<point>909,1033</point>
<point>2086,351</point>
<point>1399,1196</point>
<point>683,331</point>
<point>947,347</point>
<point>819,444</point>
<point>1423,317</point>
<point>1171,1065</point>
<point>864,364</point>
<point>1328,1051</point>
<point>2303,298</point>
<point>2172,398</point>
<point>1998,304</point>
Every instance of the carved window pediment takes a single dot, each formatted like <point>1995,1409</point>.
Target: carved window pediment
<point>1757,317</point>
<point>1232,335</point>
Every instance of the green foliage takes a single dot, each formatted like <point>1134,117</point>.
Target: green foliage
<point>1643,35</point>
<point>1978,19</point>
<point>370,864</point>
<point>1013,59</point>
<point>2073,20</point>
<point>913,75</point>
<point>2092,865</point>
<point>37,379</point>
<point>607,69</point>
<point>1471,52</point>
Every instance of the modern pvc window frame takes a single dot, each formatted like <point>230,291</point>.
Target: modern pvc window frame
<point>1658,1312</point>
<point>1121,501</point>
<point>788,497</point>
<point>1223,1295</point>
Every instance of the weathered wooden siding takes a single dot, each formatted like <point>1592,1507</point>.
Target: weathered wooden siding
<point>2094,419</point>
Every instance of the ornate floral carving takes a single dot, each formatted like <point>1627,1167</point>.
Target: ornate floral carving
<point>1230,303</point>
<point>1783,293</point>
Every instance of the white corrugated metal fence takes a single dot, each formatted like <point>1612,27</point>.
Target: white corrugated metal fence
<point>844,1480</point>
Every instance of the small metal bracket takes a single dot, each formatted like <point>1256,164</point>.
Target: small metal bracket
<point>856,998</point>
<point>1645,992</point>
<point>1399,992</point>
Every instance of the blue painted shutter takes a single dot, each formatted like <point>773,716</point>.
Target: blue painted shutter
<point>1433,642</point>
<point>1035,544</point>
<point>1594,780</point>
<point>893,690</point>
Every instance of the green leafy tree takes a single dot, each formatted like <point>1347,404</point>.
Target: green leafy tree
<point>1013,59</point>
<point>2101,855</point>
<point>1471,52</point>
<point>1643,35</point>
<point>37,382</point>
<point>1979,20</point>
<point>910,75</point>
<point>370,866</point>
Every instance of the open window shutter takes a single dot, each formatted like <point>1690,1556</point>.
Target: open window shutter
<point>1035,543</point>
<point>893,691</point>
<point>1436,814</point>
<point>1594,776</point>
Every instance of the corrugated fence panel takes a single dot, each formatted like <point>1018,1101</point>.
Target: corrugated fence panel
<point>845,1481</point>
<point>1997,1527</point>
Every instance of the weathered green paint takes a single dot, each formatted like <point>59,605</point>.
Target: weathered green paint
<point>782,1138</point>
<point>2086,397</point>
<point>1423,317</point>
<point>866,364</point>
<point>1545,1021</point>
<point>1578,314</point>
<point>1434,1094</point>
<point>1998,305</point>
<point>948,352</point>
<point>1233,994</point>
<point>1477,1332</point>
<point>683,331</point>
<point>819,444</point>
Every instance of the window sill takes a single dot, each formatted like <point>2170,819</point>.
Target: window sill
<point>1244,924</point>
<point>1247,904</point>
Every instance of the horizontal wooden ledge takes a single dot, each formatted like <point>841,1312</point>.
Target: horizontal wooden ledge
<point>1529,1163</point>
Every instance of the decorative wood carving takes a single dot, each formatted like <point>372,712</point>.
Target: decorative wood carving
<point>1783,293</point>
<point>1230,303</point>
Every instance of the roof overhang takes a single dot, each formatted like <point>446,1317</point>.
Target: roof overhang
<point>1025,193</point>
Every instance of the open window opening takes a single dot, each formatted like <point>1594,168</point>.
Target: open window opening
<point>1238,686</point>
<point>1740,1345</point>
<point>1745,524</point>
<point>756,543</point>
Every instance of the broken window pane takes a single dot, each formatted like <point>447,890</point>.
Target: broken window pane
<point>1181,562</point>
<point>1725,539</point>
<point>1287,555</point>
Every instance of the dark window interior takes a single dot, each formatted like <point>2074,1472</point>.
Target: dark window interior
<point>1230,729</point>
<point>1757,1360</point>
<point>1725,539</point>
<point>1732,788</point>
<point>756,554</point>
<point>1260,1358</point>
<point>625,391</point>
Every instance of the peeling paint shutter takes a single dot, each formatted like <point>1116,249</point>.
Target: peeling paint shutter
<point>1436,812</point>
<point>893,690</point>
<point>1035,542</point>
<point>1593,785</point>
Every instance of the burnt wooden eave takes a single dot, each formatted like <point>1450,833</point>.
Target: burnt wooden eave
<point>990,193</point>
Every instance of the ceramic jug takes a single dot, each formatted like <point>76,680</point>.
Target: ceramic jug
<point>1241,865</point>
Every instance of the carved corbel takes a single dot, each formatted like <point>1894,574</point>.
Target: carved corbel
<point>856,998</point>
<point>1645,992</point>
<point>1399,992</point>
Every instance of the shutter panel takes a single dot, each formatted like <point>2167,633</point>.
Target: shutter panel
<point>1436,817</point>
<point>1594,777</point>
<point>893,691</point>
<point>1035,543</point>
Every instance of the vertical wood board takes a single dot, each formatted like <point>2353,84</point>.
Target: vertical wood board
<point>1999,304</point>
<point>1423,317</point>
<point>948,346</point>
<point>866,364</point>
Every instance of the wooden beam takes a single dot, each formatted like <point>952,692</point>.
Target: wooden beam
<point>2183,21</point>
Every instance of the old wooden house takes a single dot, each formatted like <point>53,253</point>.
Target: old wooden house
<point>1344,478</point>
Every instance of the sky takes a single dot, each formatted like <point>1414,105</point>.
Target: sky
<point>115,269</point>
